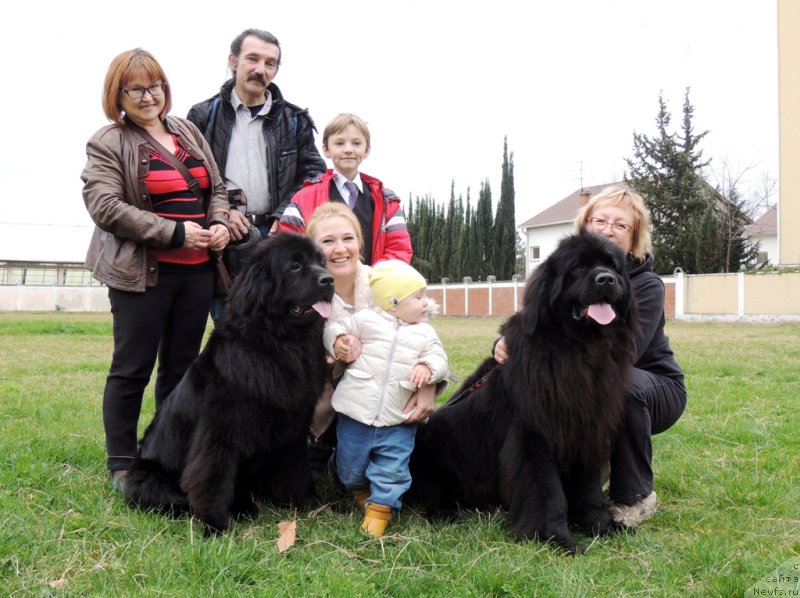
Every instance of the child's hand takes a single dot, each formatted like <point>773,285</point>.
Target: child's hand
<point>346,348</point>
<point>420,375</point>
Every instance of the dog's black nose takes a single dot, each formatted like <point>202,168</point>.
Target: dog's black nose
<point>605,278</point>
<point>326,280</point>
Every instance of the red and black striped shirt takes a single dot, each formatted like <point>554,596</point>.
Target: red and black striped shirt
<point>172,199</point>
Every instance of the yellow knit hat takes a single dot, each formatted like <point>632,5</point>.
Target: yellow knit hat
<point>391,281</point>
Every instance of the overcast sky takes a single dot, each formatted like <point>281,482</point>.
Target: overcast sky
<point>440,84</point>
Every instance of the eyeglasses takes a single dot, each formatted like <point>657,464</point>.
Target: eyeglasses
<point>137,93</point>
<point>600,225</point>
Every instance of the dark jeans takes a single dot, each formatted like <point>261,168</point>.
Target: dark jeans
<point>166,321</point>
<point>653,404</point>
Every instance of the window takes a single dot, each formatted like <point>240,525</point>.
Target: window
<point>763,257</point>
<point>535,254</point>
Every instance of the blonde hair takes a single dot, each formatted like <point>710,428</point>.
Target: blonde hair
<point>334,209</point>
<point>622,196</point>
<point>127,66</point>
<point>340,123</point>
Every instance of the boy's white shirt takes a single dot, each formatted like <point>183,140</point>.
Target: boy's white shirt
<point>339,180</point>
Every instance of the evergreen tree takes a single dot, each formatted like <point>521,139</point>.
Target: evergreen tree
<point>484,225</point>
<point>737,250</point>
<point>505,232</point>
<point>411,221</point>
<point>461,241</point>
<point>449,238</point>
<point>474,239</point>
<point>437,244</point>
<point>667,171</point>
<point>423,232</point>
<point>468,252</point>
<point>709,243</point>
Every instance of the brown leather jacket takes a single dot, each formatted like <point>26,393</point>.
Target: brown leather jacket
<point>116,197</point>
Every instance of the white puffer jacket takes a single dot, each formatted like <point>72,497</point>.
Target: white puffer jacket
<point>376,386</point>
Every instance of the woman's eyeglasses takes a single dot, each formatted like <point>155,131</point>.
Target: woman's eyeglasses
<point>137,93</point>
<point>600,225</point>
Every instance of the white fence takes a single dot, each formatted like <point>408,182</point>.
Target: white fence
<point>771,296</point>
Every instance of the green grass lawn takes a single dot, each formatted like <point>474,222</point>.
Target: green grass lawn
<point>727,478</point>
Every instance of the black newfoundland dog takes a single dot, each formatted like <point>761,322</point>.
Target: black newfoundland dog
<point>235,426</point>
<point>532,434</point>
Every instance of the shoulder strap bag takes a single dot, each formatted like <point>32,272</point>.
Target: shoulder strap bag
<point>222,279</point>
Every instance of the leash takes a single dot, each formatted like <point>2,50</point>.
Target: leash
<point>472,387</point>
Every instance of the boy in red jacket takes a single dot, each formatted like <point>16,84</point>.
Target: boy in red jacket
<point>346,142</point>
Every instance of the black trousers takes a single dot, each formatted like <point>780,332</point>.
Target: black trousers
<point>653,404</point>
<point>166,321</point>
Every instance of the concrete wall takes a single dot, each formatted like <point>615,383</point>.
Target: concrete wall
<point>53,298</point>
<point>774,295</point>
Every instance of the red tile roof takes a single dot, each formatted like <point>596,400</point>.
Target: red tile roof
<point>767,224</point>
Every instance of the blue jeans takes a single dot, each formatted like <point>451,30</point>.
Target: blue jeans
<point>377,458</point>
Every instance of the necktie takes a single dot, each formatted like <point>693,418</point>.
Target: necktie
<point>353,190</point>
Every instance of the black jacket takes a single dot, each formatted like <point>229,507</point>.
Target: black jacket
<point>653,353</point>
<point>292,156</point>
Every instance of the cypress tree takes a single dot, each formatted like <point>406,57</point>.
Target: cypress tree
<point>505,232</point>
<point>485,225</point>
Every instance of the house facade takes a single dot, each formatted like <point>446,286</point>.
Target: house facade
<point>764,231</point>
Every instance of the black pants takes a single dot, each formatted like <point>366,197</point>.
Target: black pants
<point>166,321</point>
<point>653,404</point>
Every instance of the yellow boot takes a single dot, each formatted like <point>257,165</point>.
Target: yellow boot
<point>376,519</point>
<point>361,495</point>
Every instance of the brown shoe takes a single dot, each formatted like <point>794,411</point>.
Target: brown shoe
<point>361,495</point>
<point>637,513</point>
<point>376,519</point>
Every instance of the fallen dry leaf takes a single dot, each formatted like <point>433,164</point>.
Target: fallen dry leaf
<point>58,583</point>
<point>287,532</point>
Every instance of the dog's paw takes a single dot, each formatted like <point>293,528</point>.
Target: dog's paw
<point>616,527</point>
<point>213,526</point>
<point>563,541</point>
<point>573,548</point>
<point>245,510</point>
<point>441,515</point>
<point>308,503</point>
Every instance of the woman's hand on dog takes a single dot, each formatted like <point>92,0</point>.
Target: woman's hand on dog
<point>422,404</point>
<point>500,351</point>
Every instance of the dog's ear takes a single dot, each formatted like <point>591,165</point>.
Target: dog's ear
<point>253,289</point>
<point>537,300</point>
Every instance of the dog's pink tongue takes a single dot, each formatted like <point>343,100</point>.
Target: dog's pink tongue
<point>323,308</point>
<point>602,313</point>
